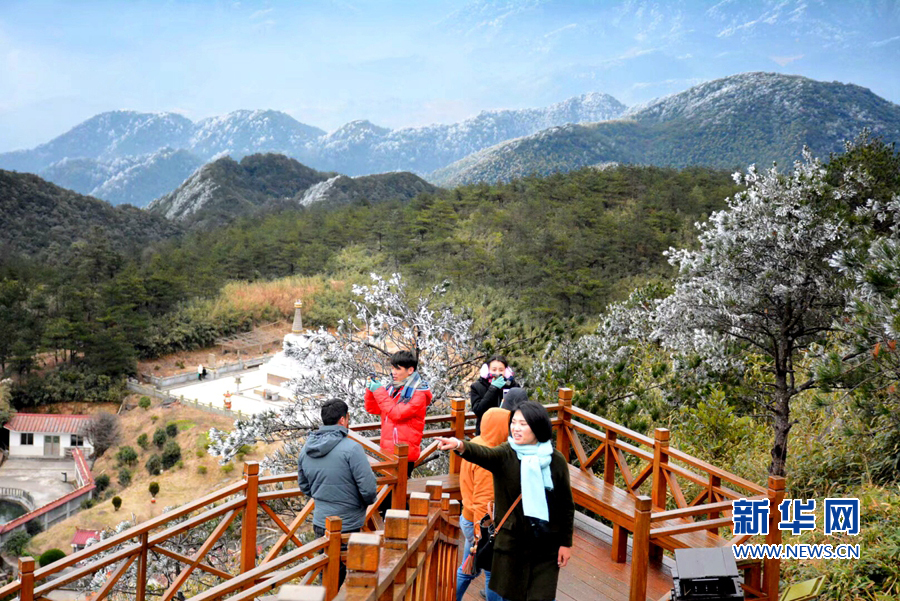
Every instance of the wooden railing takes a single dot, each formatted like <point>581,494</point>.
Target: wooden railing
<point>652,473</point>
<point>413,553</point>
<point>130,553</point>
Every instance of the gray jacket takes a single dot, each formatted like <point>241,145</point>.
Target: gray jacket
<point>334,471</point>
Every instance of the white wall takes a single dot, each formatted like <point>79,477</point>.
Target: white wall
<point>16,449</point>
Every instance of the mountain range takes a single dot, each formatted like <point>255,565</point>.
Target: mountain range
<point>125,156</point>
<point>732,122</point>
<point>727,123</point>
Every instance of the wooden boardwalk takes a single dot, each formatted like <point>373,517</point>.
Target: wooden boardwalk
<point>592,575</point>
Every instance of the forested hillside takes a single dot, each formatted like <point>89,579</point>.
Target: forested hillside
<point>556,247</point>
<point>42,221</point>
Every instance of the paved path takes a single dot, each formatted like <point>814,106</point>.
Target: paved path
<point>42,478</point>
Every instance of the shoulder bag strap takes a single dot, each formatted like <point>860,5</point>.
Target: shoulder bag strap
<point>508,511</point>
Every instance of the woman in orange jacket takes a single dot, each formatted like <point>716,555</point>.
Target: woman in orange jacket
<point>477,488</point>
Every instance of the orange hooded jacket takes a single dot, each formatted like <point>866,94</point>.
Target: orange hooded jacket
<point>476,483</point>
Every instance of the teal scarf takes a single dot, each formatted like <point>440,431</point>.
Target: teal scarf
<point>535,476</point>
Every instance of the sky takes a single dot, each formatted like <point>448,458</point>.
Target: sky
<point>410,63</point>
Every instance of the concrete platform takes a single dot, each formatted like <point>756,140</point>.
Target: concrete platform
<point>41,478</point>
<point>245,401</point>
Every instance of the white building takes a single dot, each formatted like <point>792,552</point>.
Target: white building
<point>47,435</point>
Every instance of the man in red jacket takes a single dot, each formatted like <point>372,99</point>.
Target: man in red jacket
<point>401,405</point>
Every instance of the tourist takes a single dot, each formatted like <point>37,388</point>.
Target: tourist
<point>200,372</point>
<point>495,377</point>
<point>334,471</point>
<point>533,478</point>
<point>401,404</point>
<point>476,485</point>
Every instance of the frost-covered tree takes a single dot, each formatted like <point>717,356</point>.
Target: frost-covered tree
<point>387,317</point>
<point>761,279</point>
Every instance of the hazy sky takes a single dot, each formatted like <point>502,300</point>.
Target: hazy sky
<point>326,62</point>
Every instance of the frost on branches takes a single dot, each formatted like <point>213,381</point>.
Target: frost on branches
<point>761,279</point>
<point>387,318</point>
<point>162,569</point>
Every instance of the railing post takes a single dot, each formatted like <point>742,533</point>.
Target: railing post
<point>26,577</point>
<point>640,549</point>
<point>452,547</point>
<point>398,499</point>
<point>660,459</point>
<point>565,417</point>
<point>248,523</point>
<point>363,558</point>
<point>435,490</point>
<point>141,585</point>
<point>296,592</point>
<point>418,507</point>
<point>418,514</point>
<point>458,412</point>
<point>772,567</point>
<point>658,491</point>
<point>331,576</point>
<point>714,483</point>
<point>444,582</point>
<point>609,457</point>
<point>396,537</point>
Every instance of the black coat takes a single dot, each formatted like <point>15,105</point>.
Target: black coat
<point>525,567</point>
<point>483,396</point>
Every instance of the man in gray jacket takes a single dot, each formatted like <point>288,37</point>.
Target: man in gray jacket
<point>334,471</point>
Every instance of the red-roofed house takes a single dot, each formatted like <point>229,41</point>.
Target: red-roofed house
<point>79,541</point>
<point>47,435</point>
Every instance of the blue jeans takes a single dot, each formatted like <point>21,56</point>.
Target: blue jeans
<point>463,580</point>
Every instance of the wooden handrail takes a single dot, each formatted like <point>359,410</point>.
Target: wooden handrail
<point>423,560</point>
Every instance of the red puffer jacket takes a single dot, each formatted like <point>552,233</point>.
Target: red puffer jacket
<point>401,421</point>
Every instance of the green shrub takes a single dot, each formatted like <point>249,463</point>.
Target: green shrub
<point>179,465</point>
<point>144,403</point>
<point>153,488</point>
<point>143,441</point>
<point>201,469</point>
<point>127,456</point>
<point>102,482</point>
<point>154,465</point>
<point>153,418</point>
<point>201,453</point>
<point>159,437</point>
<point>117,502</point>
<point>179,364</point>
<point>171,429</point>
<point>51,555</point>
<point>16,543</point>
<point>124,477</point>
<point>171,454</point>
<point>227,468</point>
<point>88,503</point>
<point>34,527</point>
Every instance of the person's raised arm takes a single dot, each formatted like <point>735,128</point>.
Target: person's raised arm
<point>490,458</point>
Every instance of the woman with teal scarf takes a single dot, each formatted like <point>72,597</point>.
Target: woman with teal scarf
<point>536,539</point>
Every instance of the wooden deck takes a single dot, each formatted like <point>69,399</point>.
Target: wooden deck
<point>592,575</point>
